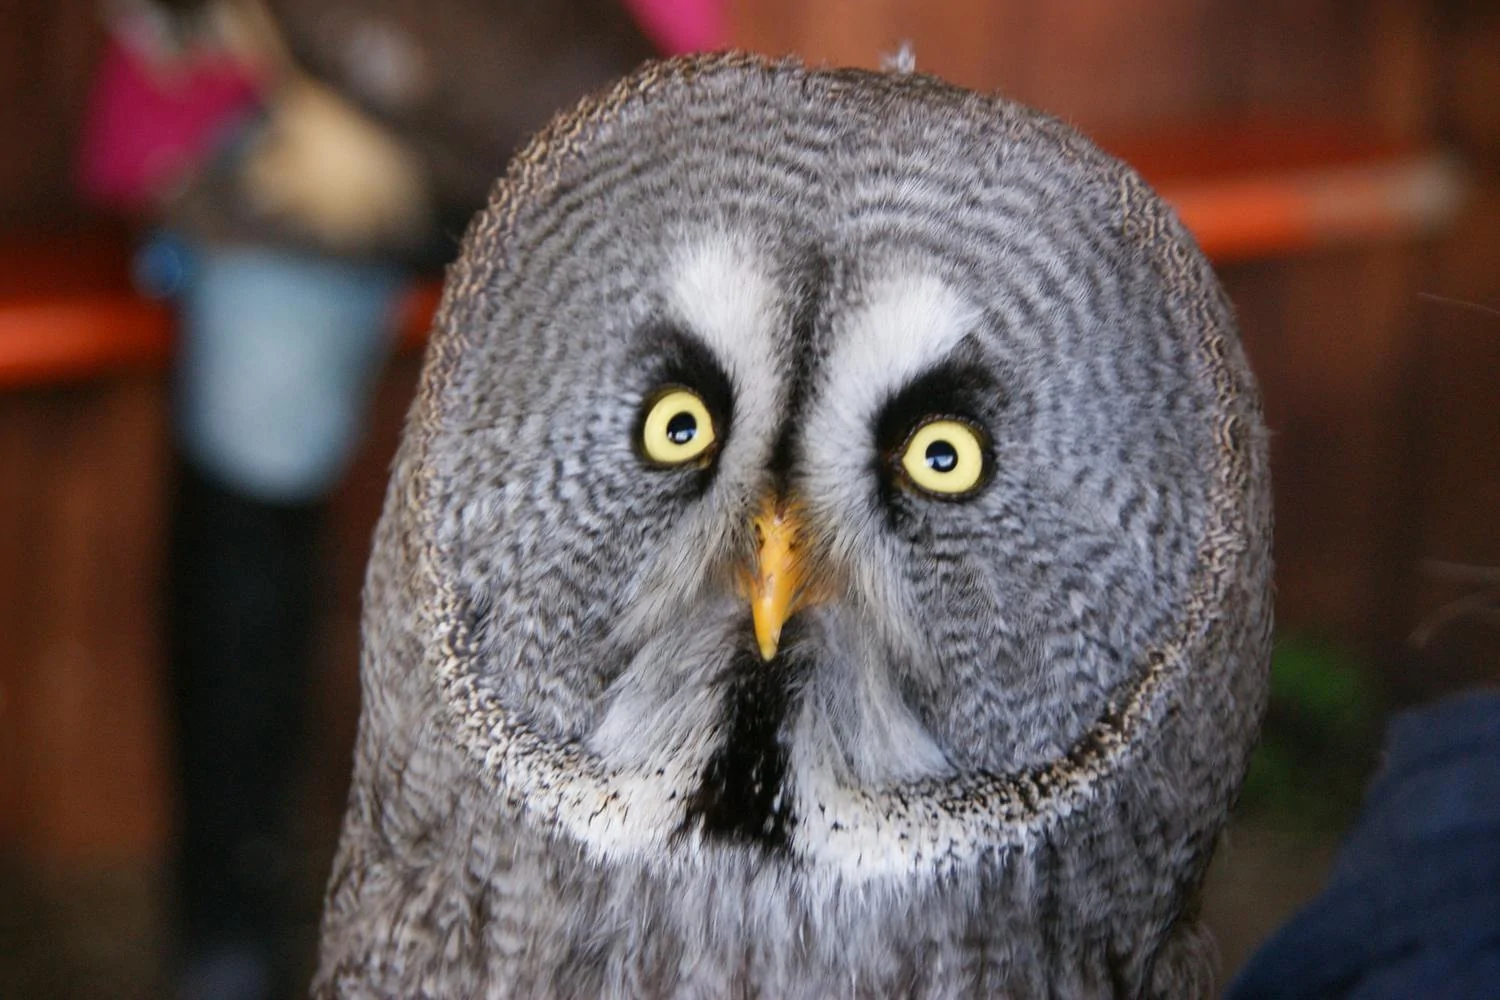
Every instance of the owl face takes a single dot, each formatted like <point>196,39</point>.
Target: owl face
<point>838,468</point>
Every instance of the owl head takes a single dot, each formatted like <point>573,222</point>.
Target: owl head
<point>838,479</point>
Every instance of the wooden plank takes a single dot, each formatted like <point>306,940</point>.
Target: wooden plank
<point>82,671</point>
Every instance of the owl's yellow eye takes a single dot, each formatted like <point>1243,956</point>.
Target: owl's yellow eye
<point>944,457</point>
<point>678,428</point>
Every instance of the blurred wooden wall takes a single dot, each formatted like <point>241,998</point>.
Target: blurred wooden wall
<point>47,53</point>
<point>1382,396</point>
<point>1111,64</point>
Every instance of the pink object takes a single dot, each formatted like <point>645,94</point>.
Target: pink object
<point>678,26</point>
<point>149,125</point>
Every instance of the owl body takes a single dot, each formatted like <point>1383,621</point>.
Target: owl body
<point>828,556</point>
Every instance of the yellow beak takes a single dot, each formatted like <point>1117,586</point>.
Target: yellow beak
<point>776,588</point>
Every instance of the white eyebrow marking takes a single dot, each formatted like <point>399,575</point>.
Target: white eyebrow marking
<point>721,291</point>
<point>910,323</point>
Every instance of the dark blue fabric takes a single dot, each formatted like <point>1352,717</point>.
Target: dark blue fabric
<point>1412,908</point>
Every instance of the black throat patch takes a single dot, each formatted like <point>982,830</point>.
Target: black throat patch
<point>742,794</point>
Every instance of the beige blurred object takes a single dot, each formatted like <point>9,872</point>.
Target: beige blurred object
<point>324,167</point>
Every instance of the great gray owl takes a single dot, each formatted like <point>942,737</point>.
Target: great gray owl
<point>828,556</point>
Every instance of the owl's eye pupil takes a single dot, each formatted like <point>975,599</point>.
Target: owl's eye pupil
<point>677,429</point>
<point>945,458</point>
<point>942,456</point>
<point>682,428</point>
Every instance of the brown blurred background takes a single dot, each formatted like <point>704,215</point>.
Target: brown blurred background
<point>1340,159</point>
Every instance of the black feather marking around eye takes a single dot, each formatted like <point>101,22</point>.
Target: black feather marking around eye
<point>673,356</point>
<point>962,387</point>
<point>742,795</point>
